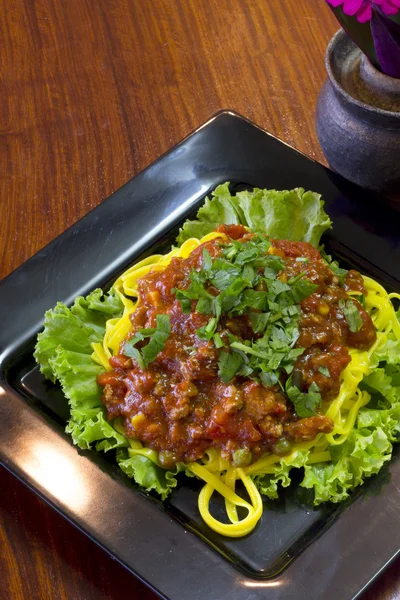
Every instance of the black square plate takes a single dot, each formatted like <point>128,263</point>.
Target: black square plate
<point>296,551</point>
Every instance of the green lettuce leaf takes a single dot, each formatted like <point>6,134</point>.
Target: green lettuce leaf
<point>75,328</point>
<point>147,474</point>
<point>384,386</point>
<point>366,450</point>
<point>92,428</point>
<point>220,209</point>
<point>390,352</point>
<point>289,214</point>
<point>379,383</point>
<point>387,420</point>
<point>77,374</point>
<point>362,455</point>
<point>63,351</point>
<point>369,446</point>
<point>269,485</point>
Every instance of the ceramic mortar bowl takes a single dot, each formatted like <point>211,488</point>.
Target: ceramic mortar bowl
<point>358,118</point>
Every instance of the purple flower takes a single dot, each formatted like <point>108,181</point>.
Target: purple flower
<point>362,9</point>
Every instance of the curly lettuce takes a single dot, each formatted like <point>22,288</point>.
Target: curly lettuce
<point>370,444</point>
<point>63,351</point>
<point>366,450</point>
<point>289,214</point>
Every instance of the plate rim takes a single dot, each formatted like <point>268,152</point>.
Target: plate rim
<point>7,414</point>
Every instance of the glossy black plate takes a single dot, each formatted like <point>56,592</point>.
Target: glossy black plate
<point>296,551</point>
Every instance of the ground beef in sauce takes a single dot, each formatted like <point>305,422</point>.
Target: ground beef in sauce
<point>179,407</point>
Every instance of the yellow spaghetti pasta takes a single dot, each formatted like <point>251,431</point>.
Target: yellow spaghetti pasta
<point>213,483</point>
<point>219,475</point>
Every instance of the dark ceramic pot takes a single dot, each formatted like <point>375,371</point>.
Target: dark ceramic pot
<point>358,118</point>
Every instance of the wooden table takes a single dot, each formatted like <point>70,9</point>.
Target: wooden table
<point>92,91</point>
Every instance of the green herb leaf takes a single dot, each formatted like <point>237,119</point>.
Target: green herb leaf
<point>247,349</point>
<point>158,339</point>
<point>158,336</point>
<point>207,260</point>
<point>259,321</point>
<point>186,305</point>
<point>269,378</point>
<point>302,289</point>
<point>224,274</point>
<point>290,215</point>
<point>129,346</point>
<point>351,314</point>
<point>207,331</point>
<point>218,341</point>
<point>324,371</point>
<point>304,403</point>
<point>132,352</point>
<point>229,364</point>
<point>206,306</point>
<point>339,272</point>
<point>277,287</point>
<point>252,299</point>
<point>273,263</point>
<point>249,275</point>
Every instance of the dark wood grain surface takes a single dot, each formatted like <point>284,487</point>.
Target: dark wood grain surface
<point>92,91</point>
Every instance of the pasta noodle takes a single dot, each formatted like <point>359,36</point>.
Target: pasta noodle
<point>218,474</point>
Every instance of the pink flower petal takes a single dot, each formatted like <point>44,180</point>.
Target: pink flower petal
<point>362,9</point>
<point>388,3</point>
<point>365,13</point>
<point>389,8</point>
<point>351,7</point>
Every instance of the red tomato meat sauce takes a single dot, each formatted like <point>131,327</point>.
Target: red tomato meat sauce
<point>179,404</point>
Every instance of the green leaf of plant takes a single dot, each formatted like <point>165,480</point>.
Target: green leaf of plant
<point>351,314</point>
<point>305,403</point>
<point>229,364</point>
<point>288,214</point>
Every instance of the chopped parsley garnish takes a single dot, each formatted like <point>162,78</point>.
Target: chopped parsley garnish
<point>269,378</point>
<point>351,314</point>
<point>244,280</point>
<point>324,371</point>
<point>158,336</point>
<point>302,289</point>
<point>229,363</point>
<point>339,272</point>
<point>207,332</point>
<point>334,266</point>
<point>218,341</point>
<point>197,291</point>
<point>305,403</point>
<point>259,321</point>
